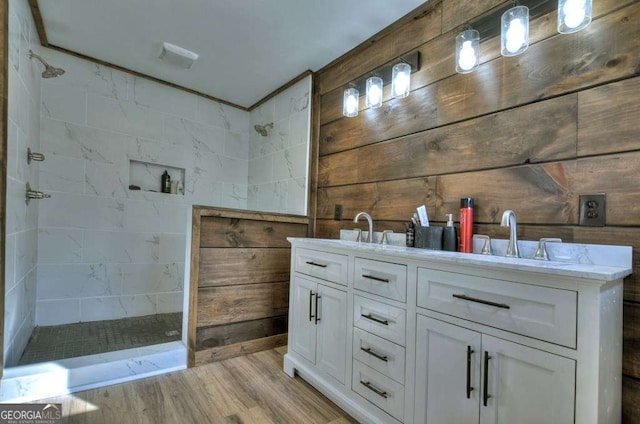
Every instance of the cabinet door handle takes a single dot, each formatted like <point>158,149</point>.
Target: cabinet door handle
<point>372,277</point>
<point>373,389</point>
<point>485,395</point>
<point>484,302</point>
<point>469,388</point>
<point>372,318</point>
<point>311,316</point>
<point>316,264</point>
<point>377,355</point>
<point>317,312</point>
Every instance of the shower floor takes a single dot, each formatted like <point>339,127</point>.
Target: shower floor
<point>88,338</point>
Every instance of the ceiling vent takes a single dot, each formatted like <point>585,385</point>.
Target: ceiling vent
<point>177,55</point>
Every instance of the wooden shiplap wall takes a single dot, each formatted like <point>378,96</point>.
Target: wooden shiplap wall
<point>529,133</point>
<point>239,292</point>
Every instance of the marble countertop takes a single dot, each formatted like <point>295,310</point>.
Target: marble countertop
<point>581,265</point>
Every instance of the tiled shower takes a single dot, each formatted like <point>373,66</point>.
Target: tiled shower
<point>100,248</point>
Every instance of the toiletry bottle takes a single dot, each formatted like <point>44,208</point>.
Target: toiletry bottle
<point>450,236</point>
<point>166,183</point>
<point>466,224</point>
<point>410,234</point>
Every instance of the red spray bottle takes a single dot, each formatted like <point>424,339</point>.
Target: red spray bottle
<point>466,224</point>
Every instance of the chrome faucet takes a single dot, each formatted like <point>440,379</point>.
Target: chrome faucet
<point>370,220</point>
<point>509,220</point>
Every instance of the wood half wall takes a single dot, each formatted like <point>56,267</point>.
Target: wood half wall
<point>239,289</point>
<point>529,133</point>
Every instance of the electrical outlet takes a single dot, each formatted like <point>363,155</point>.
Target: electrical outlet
<point>337,213</point>
<point>593,209</point>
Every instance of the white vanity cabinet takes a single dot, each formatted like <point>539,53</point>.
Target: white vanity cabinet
<point>403,335</point>
<point>466,377</point>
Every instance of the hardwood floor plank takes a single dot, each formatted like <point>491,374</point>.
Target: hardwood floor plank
<point>249,389</point>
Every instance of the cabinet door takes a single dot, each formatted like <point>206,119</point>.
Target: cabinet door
<point>447,373</point>
<point>332,332</point>
<point>525,385</point>
<point>303,325</point>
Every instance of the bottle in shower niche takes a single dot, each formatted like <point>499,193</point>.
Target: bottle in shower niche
<point>466,224</point>
<point>450,235</point>
<point>165,183</point>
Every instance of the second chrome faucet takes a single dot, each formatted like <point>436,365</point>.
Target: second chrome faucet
<point>370,220</point>
<point>509,220</point>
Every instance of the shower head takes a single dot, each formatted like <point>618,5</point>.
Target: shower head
<point>49,71</point>
<point>263,130</point>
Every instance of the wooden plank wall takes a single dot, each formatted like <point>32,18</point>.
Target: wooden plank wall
<point>529,133</point>
<point>239,296</point>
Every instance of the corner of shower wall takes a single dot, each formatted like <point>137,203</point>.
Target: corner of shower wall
<point>106,251</point>
<point>23,131</point>
<point>278,162</point>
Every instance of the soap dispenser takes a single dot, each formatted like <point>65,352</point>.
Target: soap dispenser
<point>450,236</point>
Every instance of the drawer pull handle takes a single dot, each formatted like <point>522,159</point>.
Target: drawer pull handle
<point>484,302</point>
<point>317,311</point>
<point>377,355</point>
<point>311,316</point>
<point>316,264</point>
<point>486,395</point>
<point>373,389</point>
<point>371,277</point>
<point>469,388</point>
<point>372,318</point>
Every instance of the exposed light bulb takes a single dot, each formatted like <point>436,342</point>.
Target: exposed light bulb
<point>375,95</point>
<point>374,92</point>
<point>350,102</point>
<point>467,57</point>
<point>402,80</point>
<point>574,13</point>
<point>515,36</point>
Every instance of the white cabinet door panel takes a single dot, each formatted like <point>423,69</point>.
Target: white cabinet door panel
<point>332,332</point>
<point>303,327</point>
<point>447,373</point>
<point>526,386</point>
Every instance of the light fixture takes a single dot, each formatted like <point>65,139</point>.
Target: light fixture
<point>401,80</point>
<point>397,72</point>
<point>350,101</point>
<point>467,52</point>
<point>573,15</point>
<point>374,92</point>
<point>514,38</point>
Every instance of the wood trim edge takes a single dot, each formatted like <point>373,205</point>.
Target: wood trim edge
<point>37,19</point>
<point>146,76</point>
<point>194,267</point>
<point>280,90</point>
<point>254,215</point>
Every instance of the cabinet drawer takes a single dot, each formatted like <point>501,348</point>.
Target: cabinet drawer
<point>380,319</point>
<point>381,278</point>
<point>540,312</point>
<point>378,389</point>
<point>380,354</point>
<point>327,266</point>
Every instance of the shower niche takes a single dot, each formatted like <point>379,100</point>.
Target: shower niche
<point>147,176</point>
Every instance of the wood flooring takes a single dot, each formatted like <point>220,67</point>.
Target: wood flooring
<point>246,389</point>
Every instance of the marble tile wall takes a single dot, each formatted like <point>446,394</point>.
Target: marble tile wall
<point>278,163</point>
<point>104,251</point>
<point>23,132</point>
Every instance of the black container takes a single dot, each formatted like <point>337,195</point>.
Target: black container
<point>450,236</point>
<point>429,237</point>
<point>165,186</point>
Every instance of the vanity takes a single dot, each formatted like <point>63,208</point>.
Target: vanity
<point>403,335</point>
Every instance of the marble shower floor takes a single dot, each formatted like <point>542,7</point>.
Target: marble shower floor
<point>87,338</point>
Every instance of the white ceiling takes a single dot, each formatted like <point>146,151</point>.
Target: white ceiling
<point>247,48</point>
